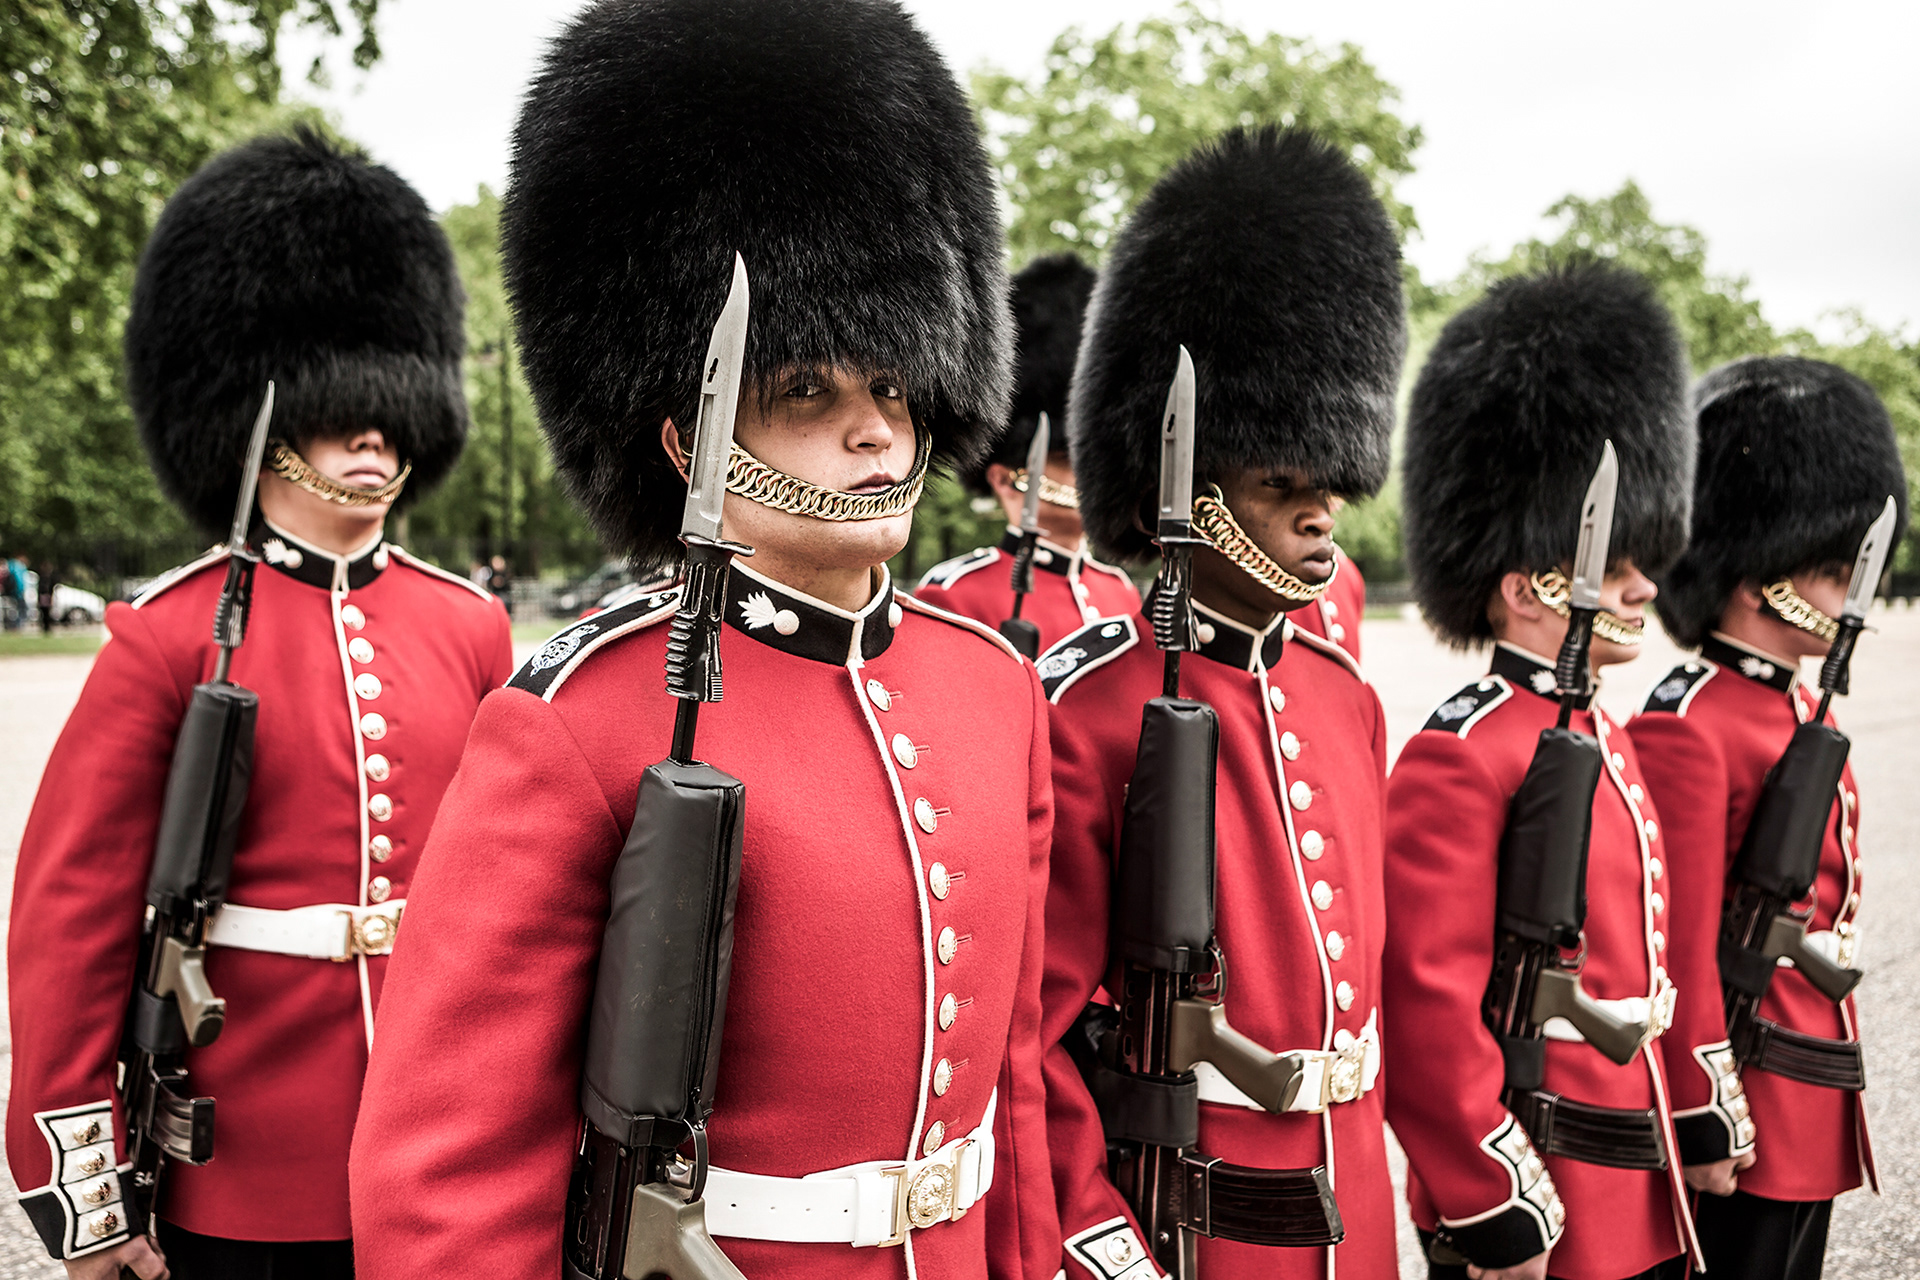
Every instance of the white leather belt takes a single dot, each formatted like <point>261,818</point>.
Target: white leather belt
<point>1658,1011</point>
<point>1327,1075</point>
<point>876,1203</point>
<point>1836,944</point>
<point>330,931</point>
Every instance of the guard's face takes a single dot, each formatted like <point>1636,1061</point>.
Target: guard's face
<point>1625,592</point>
<point>1291,521</point>
<point>837,430</point>
<point>363,460</point>
<point>1059,525</point>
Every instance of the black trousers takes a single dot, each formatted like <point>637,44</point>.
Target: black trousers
<point>1671,1269</point>
<point>1748,1237</point>
<point>196,1257</point>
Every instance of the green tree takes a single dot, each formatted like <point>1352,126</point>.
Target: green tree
<point>503,496</point>
<point>1080,143</point>
<point>105,107</point>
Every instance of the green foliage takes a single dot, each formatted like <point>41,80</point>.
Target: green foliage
<point>1078,145</point>
<point>105,107</point>
<point>463,519</point>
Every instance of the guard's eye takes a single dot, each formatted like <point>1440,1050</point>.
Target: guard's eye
<point>888,390</point>
<point>804,389</point>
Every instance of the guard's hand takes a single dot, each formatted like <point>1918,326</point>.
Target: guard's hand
<point>1534,1268</point>
<point>138,1255</point>
<point>1721,1178</point>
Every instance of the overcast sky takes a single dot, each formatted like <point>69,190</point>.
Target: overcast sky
<point>1788,132</point>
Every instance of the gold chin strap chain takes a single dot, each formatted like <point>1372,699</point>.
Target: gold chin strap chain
<point>294,469</point>
<point>1214,522</point>
<point>1554,591</point>
<point>757,482</point>
<point>1051,490</point>
<point>1798,610</point>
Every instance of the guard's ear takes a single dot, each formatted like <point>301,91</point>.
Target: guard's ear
<point>676,452</point>
<point>1515,599</point>
<point>1000,480</point>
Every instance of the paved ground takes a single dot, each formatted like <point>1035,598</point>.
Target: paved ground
<point>1874,1239</point>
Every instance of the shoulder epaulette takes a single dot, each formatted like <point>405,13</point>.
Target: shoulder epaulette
<point>964,623</point>
<point>174,577</point>
<point>1320,644</point>
<point>1465,709</point>
<point>1675,690</point>
<point>948,572</point>
<point>544,673</point>
<point>412,561</point>
<point>1094,645</point>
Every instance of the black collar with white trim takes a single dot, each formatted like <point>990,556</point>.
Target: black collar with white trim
<point>1765,668</point>
<point>1531,672</point>
<point>1048,557</point>
<point>315,566</point>
<point>1235,644</point>
<point>787,620</point>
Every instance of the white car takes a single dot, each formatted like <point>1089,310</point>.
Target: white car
<point>71,605</point>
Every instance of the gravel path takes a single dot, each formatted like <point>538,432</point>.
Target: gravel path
<point>1873,1238</point>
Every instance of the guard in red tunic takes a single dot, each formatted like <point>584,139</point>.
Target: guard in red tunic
<point>1268,257</point>
<point>1797,458</point>
<point>1574,1174</point>
<point>292,260</point>
<point>1070,587</point>
<point>879,1110</point>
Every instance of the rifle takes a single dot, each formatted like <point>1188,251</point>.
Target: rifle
<point>634,1205</point>
<point>1779,857</point>
<point>1020,632</point>
<point>1542,896</point>
<point>172,1007</point>
<point>1171,1017</point>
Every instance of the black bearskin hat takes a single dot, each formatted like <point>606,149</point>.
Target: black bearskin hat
<point>1797,458</point>
<point>1049,301</point>
<point>295,259</point>
<point>830,146</point>
<point>1268,256</point>
<point>1507,424</point>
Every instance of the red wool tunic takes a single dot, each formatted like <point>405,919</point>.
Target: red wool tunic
<point>1447,807</point>
<point>369,671</point>
<point>1337,614</point>
<point>1300,914</point>
<point>1070,588</point>
<point>1708,733</point>
<point>886,965</point>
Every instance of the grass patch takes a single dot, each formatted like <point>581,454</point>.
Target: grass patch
<point>23,644</point>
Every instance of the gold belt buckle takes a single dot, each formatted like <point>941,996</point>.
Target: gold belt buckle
<point>1346,1072</point>
<point>371,935</point>
<point>929,1197</point>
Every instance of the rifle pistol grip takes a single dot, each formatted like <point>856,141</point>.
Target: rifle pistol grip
<point>1199,1032</point>
<point>183,975</point>
<point>667,1236</point>
<point>1560,995</point>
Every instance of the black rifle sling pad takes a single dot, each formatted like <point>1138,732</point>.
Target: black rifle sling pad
<point>1160,1111</point>
<point>206,797</point>
<point>1543,852</point>
<point>1163,886</point>
<point>653,1034</point>
<point>1780,853</point>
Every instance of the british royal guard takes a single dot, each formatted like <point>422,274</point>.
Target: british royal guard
<point>1540,1143</point>
<point>1797,464</point>
<point>295,261</point>
<point>1065,588</point>
<point>1267,257</point>
<point>879,1064</point>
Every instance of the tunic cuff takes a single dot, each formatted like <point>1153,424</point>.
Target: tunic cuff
<point>83,1209</point>
<point>1530,1220</point>
<point>1724,1127</point>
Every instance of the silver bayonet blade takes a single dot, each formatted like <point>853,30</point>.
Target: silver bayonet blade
<point>1036,468</point>
<point>250,474</point>
<point>1176,449</point>
<point>1872,560</point>
<point>1596,531</point>
<point>719,400</point>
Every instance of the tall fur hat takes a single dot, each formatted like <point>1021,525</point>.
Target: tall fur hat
<point>1797,458</point>
<point>830,145</point>
<point>295,259</point>
<point>1268,256</point>
<point>1049,301</point>
<point>1507,425</point>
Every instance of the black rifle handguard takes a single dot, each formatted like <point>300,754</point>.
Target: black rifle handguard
<point>1780,854</point>
<point>653,1035</point>
<point>1543,852</point>
<point>1163,886</point>
<point>205,799</point>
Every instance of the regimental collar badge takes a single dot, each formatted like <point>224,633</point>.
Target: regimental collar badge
<point>307,563</point>
<point>1234,644</point>
<point>795,623</point>
<point>1524,670</point>
<point>1763,668</point>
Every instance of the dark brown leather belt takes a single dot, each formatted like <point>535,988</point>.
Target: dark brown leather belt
<point>1815,1060</point>
<point>1615,1137</point>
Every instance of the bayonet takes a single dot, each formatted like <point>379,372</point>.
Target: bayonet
<point>1020,633</point>
<point>693,639</point>
<point>1173,621</point>
<point>1036,467</point>
<point>1867,567</point>
<point>1589,571</point>
<point>230,614</point>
